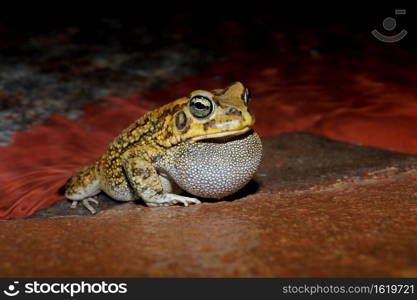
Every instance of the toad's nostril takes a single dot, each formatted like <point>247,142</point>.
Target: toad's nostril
<point>233,111</point>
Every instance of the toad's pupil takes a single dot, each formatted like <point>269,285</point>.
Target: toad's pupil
<point>200,105</point>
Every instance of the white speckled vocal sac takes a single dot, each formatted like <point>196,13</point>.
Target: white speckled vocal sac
<point>212,168</point>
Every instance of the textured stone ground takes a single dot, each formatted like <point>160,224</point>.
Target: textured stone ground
<point>316,208</point>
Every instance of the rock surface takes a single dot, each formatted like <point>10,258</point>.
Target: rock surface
<point>316,207</point>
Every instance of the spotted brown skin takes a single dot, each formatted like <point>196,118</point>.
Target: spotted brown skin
<point>128,169</point>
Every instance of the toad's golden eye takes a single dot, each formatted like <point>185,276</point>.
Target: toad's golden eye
<point>201,106</point>
<point>246,96</point>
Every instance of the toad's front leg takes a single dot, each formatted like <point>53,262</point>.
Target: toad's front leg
<point>144,179</point>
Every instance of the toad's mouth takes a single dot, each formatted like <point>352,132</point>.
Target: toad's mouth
<point>221,135</point>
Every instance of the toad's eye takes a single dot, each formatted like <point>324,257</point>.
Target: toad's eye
<point>246,96</point>
<point>201,106</point>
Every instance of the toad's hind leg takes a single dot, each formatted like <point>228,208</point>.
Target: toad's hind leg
<point>82,186</point>
<point>145,181</point>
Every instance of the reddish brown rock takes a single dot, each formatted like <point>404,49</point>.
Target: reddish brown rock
<point>319,208</point>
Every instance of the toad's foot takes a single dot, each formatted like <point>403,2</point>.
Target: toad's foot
<point>172,199</point>
<point>86,204</point>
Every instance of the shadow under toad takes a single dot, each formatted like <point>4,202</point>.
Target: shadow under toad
<point>249,189</point>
